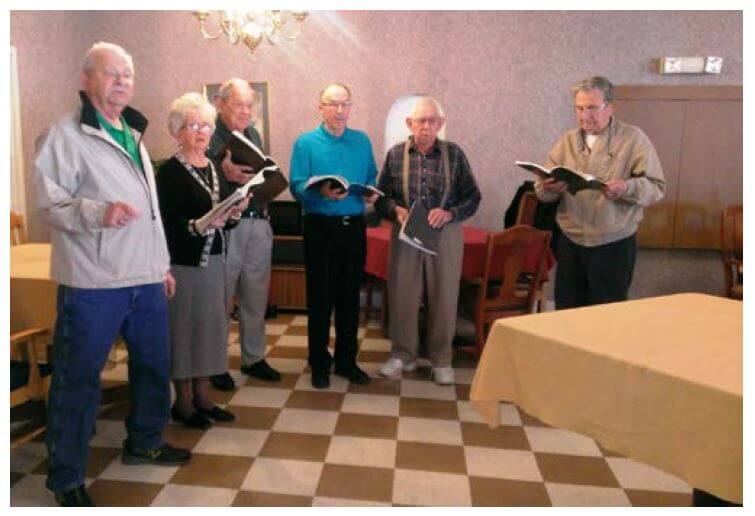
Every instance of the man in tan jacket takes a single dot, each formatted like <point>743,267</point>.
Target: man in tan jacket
<point>596,255</point>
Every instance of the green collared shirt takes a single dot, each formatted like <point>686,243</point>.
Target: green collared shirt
<point>123,137</point>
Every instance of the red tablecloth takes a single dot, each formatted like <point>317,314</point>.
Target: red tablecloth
<point>473,264</point>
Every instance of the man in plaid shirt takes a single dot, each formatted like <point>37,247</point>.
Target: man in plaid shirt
<point>436,174</point>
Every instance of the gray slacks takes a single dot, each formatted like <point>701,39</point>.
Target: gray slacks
<point>410,272</point>
<point>250,247</point>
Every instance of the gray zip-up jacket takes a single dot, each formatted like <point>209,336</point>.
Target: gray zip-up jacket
<point>78,171</point>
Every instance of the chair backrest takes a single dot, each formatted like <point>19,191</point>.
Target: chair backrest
<point>527,208</point>
<point>17,229</point>
<point>509,252</point>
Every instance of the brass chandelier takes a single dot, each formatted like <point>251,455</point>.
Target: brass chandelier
<point>251,27</point>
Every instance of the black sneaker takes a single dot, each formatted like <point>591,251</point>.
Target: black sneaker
<point>261,370</point>
<point>223,382</point>
<point>354,374</point>
<point>77,497</point>
<point>165,455</point>
<point>320,380</point>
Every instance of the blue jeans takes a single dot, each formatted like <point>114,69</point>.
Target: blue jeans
<point>88,322</point>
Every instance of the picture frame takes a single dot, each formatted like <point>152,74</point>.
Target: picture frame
<point>261,115</point>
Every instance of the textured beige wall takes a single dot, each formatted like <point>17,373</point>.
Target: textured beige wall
<point>503,77</point>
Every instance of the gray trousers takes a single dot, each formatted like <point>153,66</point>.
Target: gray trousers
<point>410,272</point>
<point>250,247</point>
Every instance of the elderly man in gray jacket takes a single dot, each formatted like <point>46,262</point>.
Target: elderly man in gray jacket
<point>95,187</point>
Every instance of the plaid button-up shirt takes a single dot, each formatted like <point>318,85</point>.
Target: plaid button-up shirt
<point>426,181</point>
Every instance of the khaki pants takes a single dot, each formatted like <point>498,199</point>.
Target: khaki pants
<point>410,272</point>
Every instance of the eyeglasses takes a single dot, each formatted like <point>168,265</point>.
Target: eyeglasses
<point>196,126</point>
<point>335,105</point>
<point>590,110</point>
<point>433,120</point>
<point>114,74</point>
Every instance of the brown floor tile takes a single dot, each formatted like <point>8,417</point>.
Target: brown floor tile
<point>431,457</point>
<point>422,374</point>
<point>296,330</point>
<point>182,437</point>
<point>573,469</point>
<point>234,362</point>
<point>116,411</point>
<point>15,477</point>
<point>426,408</point>
<point>284,445</point>
<point>355,482</point>
<point>315,400</point>
<point>362,425</point>
<point>378,385</point>
<point>287,352</point>
<point>480,434</point>
<point>116,493</point>
<point>256,499</point>
<point>221,397</point>
<point>282,318</point>
<point>373,356</point>
<point>375,333</point>
<point>99,459</point>
<point>658,498</point>
<point>496,492</point>
<point>462,391</point>
<point>287,381</point>
<point>271,340</point>
<point>213,471</point>
<point>254,418</point>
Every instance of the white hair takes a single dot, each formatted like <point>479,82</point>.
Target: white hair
<point>227,87</point>
<point>186,104</point>
<point>104,46</point>
<point>424,100</point>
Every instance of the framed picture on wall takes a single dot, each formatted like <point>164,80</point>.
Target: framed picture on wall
<point>261,114</point>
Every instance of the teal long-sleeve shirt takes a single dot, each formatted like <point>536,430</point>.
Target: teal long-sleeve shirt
<point>318,153</point>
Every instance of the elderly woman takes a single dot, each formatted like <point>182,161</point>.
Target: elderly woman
<point>188,186</point>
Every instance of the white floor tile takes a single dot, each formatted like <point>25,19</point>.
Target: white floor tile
<point>109,434</point>
<point>30,491</point>
<point>362,451</point>
<point>464,375</point>
<point>509,414</point>
<point>412,487</point>
<point>299,320</point>
<point>323,501</point>
<point>231,441</point>
<point>568,495</point>
<point>375,345</point>
<point>173,495</point>
<point>428,390</point>
<point>371,404</point>
<point>283,476</point>
<point>138,473</point>
<point>306,421</point>
<point>287,365</point>
<point>635,475</point>
<point>292,341</point>
<point>260,397</point>
<point>557,440</point>
<point>275,329</point>
<point>508,464</point>
<point>429,431</point>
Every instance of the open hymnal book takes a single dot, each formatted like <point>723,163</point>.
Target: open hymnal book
<point>574,179</point>
<point>340,183</point>
<point>417,232</point>
<point>223,207</point>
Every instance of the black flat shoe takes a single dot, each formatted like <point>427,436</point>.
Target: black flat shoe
<point>223,382</point>
<point>354,374</point>
<point>216,413</point>
<point>193,420</point>
<point>320,380</point>
<point>77,497</point>
<point>261,370</point>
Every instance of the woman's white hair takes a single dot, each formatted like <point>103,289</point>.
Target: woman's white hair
<point>103,46</point>
<point>186,104</point>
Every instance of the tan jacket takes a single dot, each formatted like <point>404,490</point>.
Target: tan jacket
<point>623,151</point>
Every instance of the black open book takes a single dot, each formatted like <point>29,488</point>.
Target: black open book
<point>417,232</point>
<point>574,179</point>
<point>341,183</point>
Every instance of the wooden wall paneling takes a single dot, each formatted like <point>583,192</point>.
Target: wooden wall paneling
<point>662,121</point>
<point>711,166</point>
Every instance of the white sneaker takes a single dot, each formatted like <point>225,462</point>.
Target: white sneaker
<point>394,366</point>
<point>443,375</point>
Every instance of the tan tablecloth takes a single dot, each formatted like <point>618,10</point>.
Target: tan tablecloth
<point>658,380</point>
<point>32,292</point>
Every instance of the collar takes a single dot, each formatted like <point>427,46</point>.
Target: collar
<point>609,132</point>
<point>221,130</point>
<point>133,118</point>
<point>435,148</point>
<point>328,134</point>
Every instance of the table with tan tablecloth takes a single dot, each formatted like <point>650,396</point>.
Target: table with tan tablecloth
<point>658,380</point>
<point>32,291</point>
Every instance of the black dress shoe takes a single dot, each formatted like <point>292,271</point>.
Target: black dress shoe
<point>77,497</point>
<point>223,382</point>
<point>354,375</point>
<point>216,413</point>
<point>261,370</point>
<point>320,380</point>
<point>193,420</point>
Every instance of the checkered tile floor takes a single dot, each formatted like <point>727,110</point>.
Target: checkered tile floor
<point>402,442</point>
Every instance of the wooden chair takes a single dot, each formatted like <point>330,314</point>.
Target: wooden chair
<point>731,249</point>
<point>526,216</point>
<point>17,229</point>
<point>501,294</point>
<point>29,379</point>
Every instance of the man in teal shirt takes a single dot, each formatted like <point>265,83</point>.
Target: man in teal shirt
<point>334,232</point>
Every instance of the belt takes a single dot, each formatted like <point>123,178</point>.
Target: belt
<point>254,215</point>
<point>341,220</point>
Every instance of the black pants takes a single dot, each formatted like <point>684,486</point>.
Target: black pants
<point>334,250</point>
<point>594,275</point>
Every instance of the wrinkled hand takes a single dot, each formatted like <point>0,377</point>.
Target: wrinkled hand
<point>233,172</point>
<point>169,283</point>
<point>615,188</point>
<point>551,185</point>
<point>334,194</point>
<point>401,214</point>
<point>119,214</point>
<point>243,204</point>
<point>438,217</point>
<point>369,200</point>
